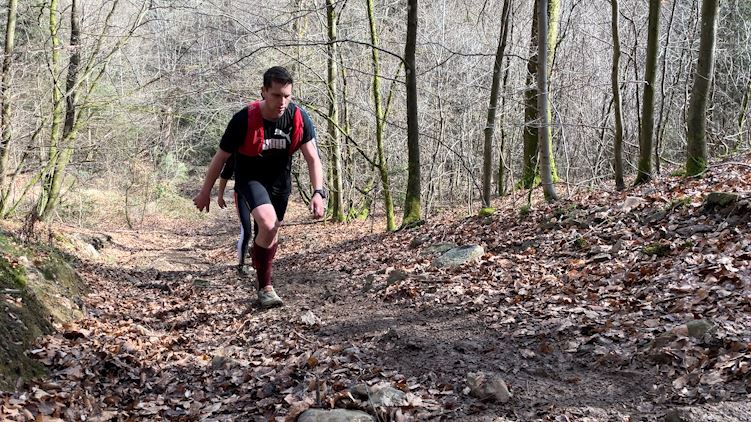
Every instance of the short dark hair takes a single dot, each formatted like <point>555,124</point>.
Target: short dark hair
<point>276,74</point>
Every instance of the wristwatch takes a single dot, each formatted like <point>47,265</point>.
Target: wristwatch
<point>321,192</point>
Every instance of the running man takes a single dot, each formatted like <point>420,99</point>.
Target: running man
<point>264,136</point>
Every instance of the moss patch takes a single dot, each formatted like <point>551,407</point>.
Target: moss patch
<point>487,212</point>
<point>660,249</point>
<point>37,288</point>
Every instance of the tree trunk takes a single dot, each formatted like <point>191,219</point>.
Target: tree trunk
<point>554,12</point>
<point>647,122</point>
<point>337,201</point>
<point>57,112</point>
<point>5,84</point>
<point>298,29</point>
<point>501,182</point>
<point>530,165</point>
<point>529,159</point>
<point>617,103</point>
<point>69,131</point>
<point>742,115</point>
<point>490,126</point>
<point>696,160</point>
<point>546,174</point>
<point>383,170</point>
<point>663,117</point>
<point>412,203</point>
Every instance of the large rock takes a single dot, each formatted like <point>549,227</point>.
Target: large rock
<point>488,387</point>
<point>698,327</point>
<point>720,199</point>
<point>335,415</point>
<point>631,203</point>
<point>389,397</point>
<point>459,256</point>
<point>438,248</point>
<point>396,276</point>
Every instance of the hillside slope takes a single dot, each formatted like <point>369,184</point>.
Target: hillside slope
<point>603,306</point>
<point>37,290</point>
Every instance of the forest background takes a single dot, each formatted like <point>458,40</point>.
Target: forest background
<point>114,108</point>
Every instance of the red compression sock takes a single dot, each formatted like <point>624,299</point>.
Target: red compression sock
<point>264,258</point>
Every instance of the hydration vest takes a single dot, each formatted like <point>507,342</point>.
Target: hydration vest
<point>254,136</point>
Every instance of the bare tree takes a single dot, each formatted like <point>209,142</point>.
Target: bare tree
<point>664,99</point>
<point>5,85</point>
<point>337,205</point>
<point>696,160</point>
<point>380,116</point>
<point>62,145</point>
<point>532,112</point>
<point>492,108</point>
<point>412,202</point>
<point>617,104</point>
<point>646,131</point>
<point>64,150</point>
<point>546,174</point>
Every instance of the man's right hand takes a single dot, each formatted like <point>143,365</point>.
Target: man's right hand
<point>220,201</point>
<point>202,200</point>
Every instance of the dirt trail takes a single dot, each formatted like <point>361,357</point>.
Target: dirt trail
<point>173,333</point>
<point>179,283</point>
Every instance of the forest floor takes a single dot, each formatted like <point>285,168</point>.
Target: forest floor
<point>605,306</point>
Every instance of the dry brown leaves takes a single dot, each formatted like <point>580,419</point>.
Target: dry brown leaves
<point>611,286</point>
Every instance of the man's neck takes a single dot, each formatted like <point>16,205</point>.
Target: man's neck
<point>265,113</point>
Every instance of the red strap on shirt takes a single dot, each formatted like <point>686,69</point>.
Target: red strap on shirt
<point>254,136</point>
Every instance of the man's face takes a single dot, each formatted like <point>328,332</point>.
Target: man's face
<point>277,98</point>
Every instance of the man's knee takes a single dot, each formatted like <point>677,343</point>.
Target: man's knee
<point>266,220</point>
<point>269,226</point>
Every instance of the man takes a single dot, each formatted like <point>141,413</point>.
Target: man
<point>263,136</point>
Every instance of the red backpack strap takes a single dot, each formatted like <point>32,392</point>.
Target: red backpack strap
<point>253,144</point>
<point>297,131</point>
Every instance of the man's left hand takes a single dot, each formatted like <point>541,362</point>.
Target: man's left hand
<point>316,206</point>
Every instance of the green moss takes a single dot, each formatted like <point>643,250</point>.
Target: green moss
<point>720,199</point>
<point>487,212</point>
<point>581,243</point>
<point>680,172</point>
<point>37,287</point>
<point>657,248</point>
<point>696,166</point>
<point>687,244</point>
<point>525,210</point>
<point>358,213</point>
<point>12,274</point>
<point>678,202</point>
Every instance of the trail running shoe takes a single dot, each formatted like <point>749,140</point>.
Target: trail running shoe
<point>268,297</point>
<point>241,271</point>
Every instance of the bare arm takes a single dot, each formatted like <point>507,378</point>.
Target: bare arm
<point>220,194</point>
<point>315,171</point>
<point>203,199</point>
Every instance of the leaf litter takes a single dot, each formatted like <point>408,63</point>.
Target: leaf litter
<point>605,305</point>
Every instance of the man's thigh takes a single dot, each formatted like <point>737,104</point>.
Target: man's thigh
<point>264,202</point>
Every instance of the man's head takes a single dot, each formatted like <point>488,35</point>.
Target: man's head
<point>276,74</point>
<point>276,91</point>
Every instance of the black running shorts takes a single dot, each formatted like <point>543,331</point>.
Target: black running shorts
<point>255,193</point>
